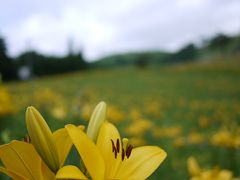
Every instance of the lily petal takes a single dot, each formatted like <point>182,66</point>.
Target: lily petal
<point>47,173</point>
<point>12,174</point>
<point>107,133</point>
<point>70,172</point>
<point>142,162</point>
<point>42,138</point>
<point>63,142</point>
<point>22,158</point>
<point>88,151</point>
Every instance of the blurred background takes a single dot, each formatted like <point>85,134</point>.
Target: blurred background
<point>168,70</point>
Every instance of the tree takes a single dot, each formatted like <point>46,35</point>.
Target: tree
<point>7,66</point>
<point>187,53</point>
<point>219,41</point>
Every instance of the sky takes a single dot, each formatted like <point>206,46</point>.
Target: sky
<point>102,28</point>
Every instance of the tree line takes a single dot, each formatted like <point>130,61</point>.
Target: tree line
<point>33,64</point>
<point>37,64</point>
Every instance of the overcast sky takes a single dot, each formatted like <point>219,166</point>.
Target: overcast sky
<point>103,27</point>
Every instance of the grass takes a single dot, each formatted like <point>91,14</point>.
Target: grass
<point>173,96</point>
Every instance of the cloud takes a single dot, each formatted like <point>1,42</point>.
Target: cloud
<point>105,27</point>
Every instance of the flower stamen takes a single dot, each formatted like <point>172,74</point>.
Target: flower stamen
<point>123,154</point>
<point>118,145</point>
<point>126,148</point>
<point>129,150</point>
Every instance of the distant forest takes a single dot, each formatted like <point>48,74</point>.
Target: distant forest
<point>32,64</point>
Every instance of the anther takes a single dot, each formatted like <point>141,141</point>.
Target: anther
<point>126,148</point>
<point>118,145</point>
<point>113,147</point>
<point>115,154</point>
<point>123,154</point>
<point>129,151</point>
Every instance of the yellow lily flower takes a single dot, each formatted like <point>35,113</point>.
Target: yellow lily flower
<point>90,156</point>
<point>52,147</point>
<point>110,158</point>
<point>22,162</point>
<point>122,161</point>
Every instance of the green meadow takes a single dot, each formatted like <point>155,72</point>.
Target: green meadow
<point>187,109</point>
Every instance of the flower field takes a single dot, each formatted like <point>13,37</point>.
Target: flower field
<point>192,111</point>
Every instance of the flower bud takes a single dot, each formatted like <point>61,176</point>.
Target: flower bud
<point>97,118</point>
<point>42,138</point>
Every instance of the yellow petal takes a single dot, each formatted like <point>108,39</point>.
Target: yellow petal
<point>21,157</point>
<point>142,162</point>
<point>42,138</point>
<point>12,174</point>
<point>47,173</point>
<point>70,172</point>
<point>88,151</point>
<point>107,133</point>
<point>63,142</point>
<point>96,120</point>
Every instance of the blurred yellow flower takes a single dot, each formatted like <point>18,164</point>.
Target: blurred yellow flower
<point>138,127</point>
<point>166,132</point>
<point>114,114</point>
<point>135,114</point>
<point>226,138</point>
<point>197,173</point>
<point>86,112</point>
<point>6,104</point>
<point>195,138</point>
<point>193,167</point>
<point>179,142</point>
<point>203,121</point>
<point>137,141</point>
<point>59,112</point>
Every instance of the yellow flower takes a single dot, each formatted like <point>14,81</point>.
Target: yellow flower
<point>193,167</point>
<point>139,127</point>
<point>122,160</point>
<point>52,147</point>
<point>197,173</point>
<point>115,114</point>
<point>6,103</point>
<point>59,112</point>
<point>89,153</point>
<point>111,158</point>
<point>22,162</point>
<point>195,138</point>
